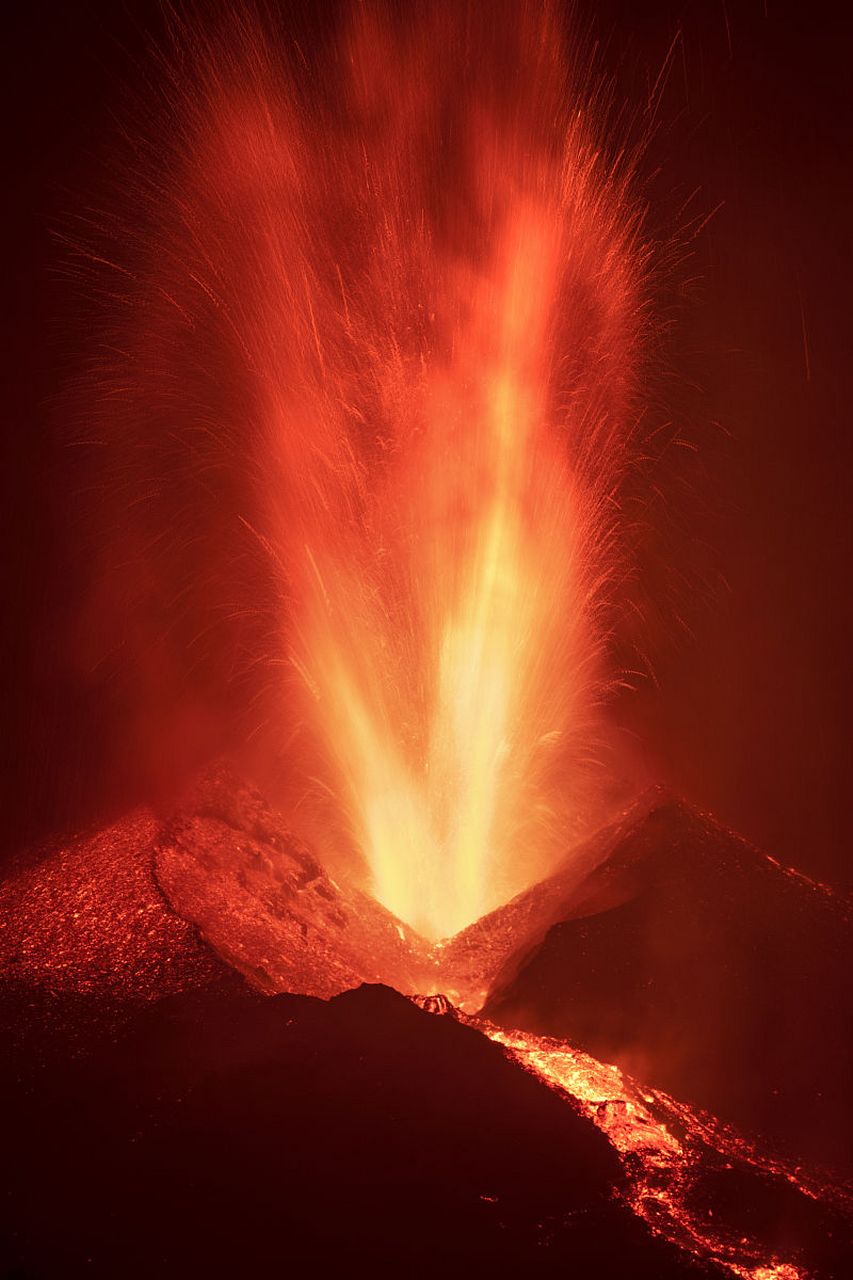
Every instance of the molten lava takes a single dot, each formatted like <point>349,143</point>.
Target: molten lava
<point>444,758</point>
<point>447,613</point>
<point>666,1149</point>
<point>405,280</point>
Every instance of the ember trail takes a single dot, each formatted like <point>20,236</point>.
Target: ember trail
<point>418,271</point>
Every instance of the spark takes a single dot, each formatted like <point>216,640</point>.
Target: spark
<point>409,291</point>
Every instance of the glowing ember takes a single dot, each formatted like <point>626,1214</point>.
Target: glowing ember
<point>413,271</point>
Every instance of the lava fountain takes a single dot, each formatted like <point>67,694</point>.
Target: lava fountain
<point>403,283</point>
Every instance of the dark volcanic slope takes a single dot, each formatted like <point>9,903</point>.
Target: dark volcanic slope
<point>489,951</point>
<point>719,976</point>
<point>224,1133</point>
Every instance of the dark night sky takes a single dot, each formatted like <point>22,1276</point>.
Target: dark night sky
<point>750,717</point>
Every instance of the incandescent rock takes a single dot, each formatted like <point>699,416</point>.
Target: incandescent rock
<point>261,900</point>
<point>89,917</point>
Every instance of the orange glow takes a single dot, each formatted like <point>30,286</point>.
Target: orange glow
<point>464,386</point>
<point>415,269</point>
<point>484,514</point>
<point>662,1143</point>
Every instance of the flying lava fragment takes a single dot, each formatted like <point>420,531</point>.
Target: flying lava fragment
<point>403,292</point>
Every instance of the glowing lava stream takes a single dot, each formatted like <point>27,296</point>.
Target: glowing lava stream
<point>626,1114</point>
<point>641,1123</point>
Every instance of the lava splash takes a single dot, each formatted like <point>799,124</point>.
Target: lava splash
<point>401,282</point>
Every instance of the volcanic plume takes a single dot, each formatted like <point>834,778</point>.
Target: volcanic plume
<point>372,389</point>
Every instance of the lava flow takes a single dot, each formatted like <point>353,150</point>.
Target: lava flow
<point>417,269</point>
<point>666,1149</point>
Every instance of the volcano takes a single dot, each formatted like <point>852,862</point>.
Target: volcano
<point>218,1056</point>
<point>377,490</point>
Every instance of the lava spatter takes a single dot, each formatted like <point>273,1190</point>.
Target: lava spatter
<point>380,312</point>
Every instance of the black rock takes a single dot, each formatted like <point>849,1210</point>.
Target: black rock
<point>224,1133</point>
<point>713,973</point>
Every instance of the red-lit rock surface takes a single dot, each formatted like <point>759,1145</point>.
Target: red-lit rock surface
<point>89,916</point>
<point>227,861</point>
<point>489,952</point>
<point>147,907</point>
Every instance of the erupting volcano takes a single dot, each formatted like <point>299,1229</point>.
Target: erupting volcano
<point>368,410</point>
<point>404,299</point>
